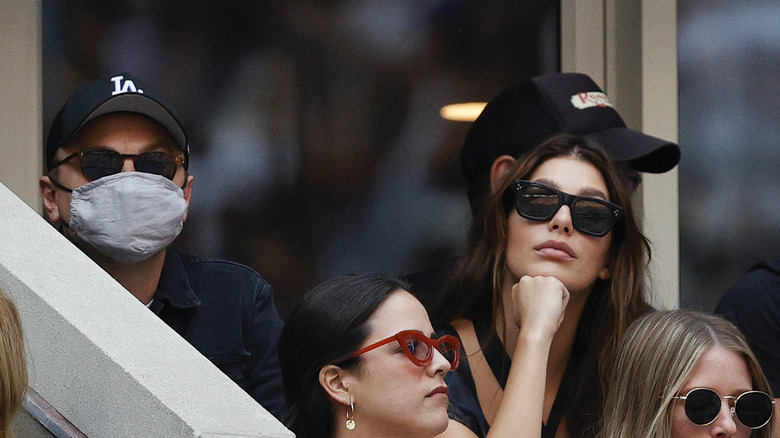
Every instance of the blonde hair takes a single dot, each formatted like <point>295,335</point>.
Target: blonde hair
<point>658,355</point>
<point>13,368</point>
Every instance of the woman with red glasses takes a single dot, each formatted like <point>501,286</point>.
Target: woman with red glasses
<point>550,280</point>
<point>687,374</point>
<point>359,358</point>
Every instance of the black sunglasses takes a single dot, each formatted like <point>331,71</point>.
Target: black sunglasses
<point>97,163</point>
<point>540,202</point>
<point>752,408</point>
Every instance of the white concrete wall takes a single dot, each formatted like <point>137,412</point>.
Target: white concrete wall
<point>21,150</point>
<point>100,357</point>
<point>659,118</point>
<point>630,49</point>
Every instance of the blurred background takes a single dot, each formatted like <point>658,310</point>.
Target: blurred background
<point>729,87</point>
<point>317,145</point>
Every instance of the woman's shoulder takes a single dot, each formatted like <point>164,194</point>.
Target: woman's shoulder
<point>461,381</point>
<point>464,405</point>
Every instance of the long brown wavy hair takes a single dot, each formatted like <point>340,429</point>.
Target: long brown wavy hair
<point>474,285</point>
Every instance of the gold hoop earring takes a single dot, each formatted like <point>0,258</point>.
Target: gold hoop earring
<point>350,424</point>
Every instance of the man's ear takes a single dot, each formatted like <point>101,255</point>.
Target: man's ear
<point>48,195</point>
<point>188,194</point>
<point>499,170</point>
<point>335,381</point>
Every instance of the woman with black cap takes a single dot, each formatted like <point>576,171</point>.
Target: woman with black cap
<point>550,281</point>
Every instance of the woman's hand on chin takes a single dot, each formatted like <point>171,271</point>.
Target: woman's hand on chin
<point>539,304</point>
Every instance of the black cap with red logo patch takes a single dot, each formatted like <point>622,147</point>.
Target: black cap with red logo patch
<point>523,116</point>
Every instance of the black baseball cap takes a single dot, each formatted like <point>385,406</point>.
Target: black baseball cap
<point>118,93</point>
<point>523,116</point>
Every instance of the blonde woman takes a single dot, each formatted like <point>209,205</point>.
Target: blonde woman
<point>687,374</point>
<point>13,368</point>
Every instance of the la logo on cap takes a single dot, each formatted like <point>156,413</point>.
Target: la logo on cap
<point>124,86</point>
<point>590,99</point>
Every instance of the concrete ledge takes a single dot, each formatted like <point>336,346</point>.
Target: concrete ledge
<point>49,418</point>
<point>103,360</point>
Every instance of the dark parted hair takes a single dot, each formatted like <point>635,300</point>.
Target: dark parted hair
<point>328,324</point>
<point>473,286</point>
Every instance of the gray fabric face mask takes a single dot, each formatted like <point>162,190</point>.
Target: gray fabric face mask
<point>128,216</point>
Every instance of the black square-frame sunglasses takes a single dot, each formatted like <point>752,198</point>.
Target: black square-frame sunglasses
<point>98,163</point>
<point>540,202</point>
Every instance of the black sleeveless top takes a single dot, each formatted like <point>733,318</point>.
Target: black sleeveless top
<point>464,404</point>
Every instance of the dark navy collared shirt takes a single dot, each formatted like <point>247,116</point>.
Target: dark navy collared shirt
<point>227,312</point>
<point>752,303</point>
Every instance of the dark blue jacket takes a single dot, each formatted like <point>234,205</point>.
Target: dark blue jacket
<point>752,303</point>
<point>227,312</point>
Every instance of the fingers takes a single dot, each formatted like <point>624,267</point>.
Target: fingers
<point>565,303</point>
<point>566,296</point>
<point>540,303</point>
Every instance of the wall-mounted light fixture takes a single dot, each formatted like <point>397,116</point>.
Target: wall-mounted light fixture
<point>462,112</point>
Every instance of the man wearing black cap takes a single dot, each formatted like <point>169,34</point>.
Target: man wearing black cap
<point>523,116</point>
<point>118,188</point>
